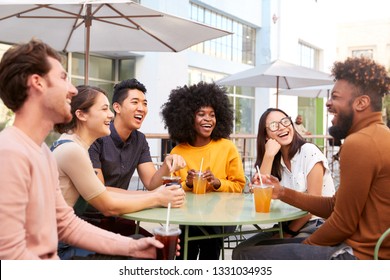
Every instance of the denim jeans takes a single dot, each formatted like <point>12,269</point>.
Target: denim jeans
<point>291,249</point>
<point>305,231</point>
<point>262,246</point>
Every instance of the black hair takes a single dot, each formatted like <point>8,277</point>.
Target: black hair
<point>296,144</point>
<point>179,112</point>
<point>121,89</point>
<point>368,77</point>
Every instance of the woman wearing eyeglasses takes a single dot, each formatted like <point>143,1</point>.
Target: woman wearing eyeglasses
<point>298,165</point>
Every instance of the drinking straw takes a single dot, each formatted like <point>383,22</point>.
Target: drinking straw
<point>258,172</point>
<point>168,215</point>
<point>201,165</point>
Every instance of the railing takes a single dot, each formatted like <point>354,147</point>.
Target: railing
<point>241,141</point>
<point>243,149</point>
<point>246,145</point>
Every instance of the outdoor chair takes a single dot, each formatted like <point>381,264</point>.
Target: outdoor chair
<point>379,243</point>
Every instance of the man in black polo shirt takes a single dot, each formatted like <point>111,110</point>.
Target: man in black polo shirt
<point>115,157</point>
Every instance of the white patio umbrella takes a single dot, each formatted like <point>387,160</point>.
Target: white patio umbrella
<point>311,92</point>
<point>99,26</point>
<point>277,74</point>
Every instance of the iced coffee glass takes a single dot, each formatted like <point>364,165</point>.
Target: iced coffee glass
<point>169,238</point>
<point>171,180</point>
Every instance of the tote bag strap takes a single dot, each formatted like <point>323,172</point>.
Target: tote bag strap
<point>81,204</point>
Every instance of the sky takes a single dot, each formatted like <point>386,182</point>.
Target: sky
<point>358,10</point>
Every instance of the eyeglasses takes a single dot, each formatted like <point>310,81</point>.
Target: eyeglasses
<point>274,126</point>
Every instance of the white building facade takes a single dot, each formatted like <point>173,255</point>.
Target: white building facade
<point>263,30</point>
<point>293,31</point>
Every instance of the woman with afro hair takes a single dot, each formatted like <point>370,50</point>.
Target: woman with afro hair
<point>199,119</point>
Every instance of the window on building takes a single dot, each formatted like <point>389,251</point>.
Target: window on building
<point>102,71</point>
<point>310,108</point>
<point>368,53</point>
<point>126,68</point>
<point>308,55</point>
<point>238,47</point>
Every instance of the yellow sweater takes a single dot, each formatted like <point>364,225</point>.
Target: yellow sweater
<point>221,157</point>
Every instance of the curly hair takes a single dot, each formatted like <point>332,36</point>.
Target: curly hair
<point>368,77</point>
<point>84,100</point>
<point>179,112</point>
<point>18,63</point>
<point>297,142</point>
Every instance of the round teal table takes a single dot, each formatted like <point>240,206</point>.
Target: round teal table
<point>219,209</point>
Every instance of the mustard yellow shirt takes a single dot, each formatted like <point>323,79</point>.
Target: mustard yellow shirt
<point>221,157</point>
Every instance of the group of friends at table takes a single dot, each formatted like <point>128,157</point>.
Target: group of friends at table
<point>66,202</point>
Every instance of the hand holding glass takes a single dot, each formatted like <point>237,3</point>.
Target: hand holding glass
<point>200,183</point>
<point>171,180</point>
<point>262,197</point>
<point>169,238</point>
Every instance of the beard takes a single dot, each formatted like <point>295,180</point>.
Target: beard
<point>340,131</point>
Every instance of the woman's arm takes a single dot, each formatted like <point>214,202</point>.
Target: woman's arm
<point>76,165</point>
<point>117,203</point>
<point>272,147</point>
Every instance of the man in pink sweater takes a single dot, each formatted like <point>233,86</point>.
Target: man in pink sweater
<point>33,213</point>
<point>359,212</point>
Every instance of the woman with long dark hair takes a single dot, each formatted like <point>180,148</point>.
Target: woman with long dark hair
<point>299,165</point>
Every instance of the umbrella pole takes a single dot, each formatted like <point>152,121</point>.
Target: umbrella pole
<point>88,23</point>
<point>277,91</point>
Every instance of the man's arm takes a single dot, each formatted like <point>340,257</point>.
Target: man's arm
<point>152,178</point>
<point>14,199</point>
<point>317,205</point>
<point>146,172</point>
<point>359,166</point>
